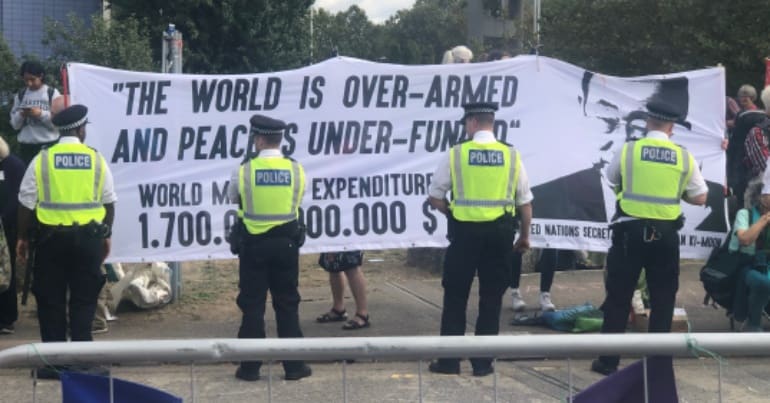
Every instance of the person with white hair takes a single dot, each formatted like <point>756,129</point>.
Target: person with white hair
<point>747,150</point>
<point>11,172</point>
<point>458,54</point>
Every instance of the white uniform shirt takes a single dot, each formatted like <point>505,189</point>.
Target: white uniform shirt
<point>442,178</point>
<point>28,188</point>
<point>695,187</point>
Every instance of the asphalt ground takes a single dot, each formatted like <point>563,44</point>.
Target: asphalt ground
<point>404,305</point>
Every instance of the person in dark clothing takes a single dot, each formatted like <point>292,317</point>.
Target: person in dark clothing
<point>69,190</point>
<point>489,189</point>
<point>738,172</point>
<point>12,170</point>
<point>269,189</point>
<point>651,176</point>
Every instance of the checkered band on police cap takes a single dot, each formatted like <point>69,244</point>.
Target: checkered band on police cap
<point>261,124</point>
<point>71,117</point>
<point>661,110</point>
<point>479,107</point>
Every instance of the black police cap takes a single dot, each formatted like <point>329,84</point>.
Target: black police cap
<point>661,110</point>
<point>476,108</point>
<point>71,117</point>
<point>261,124</point>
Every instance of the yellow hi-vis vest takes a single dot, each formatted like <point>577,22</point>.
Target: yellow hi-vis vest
<point>70,180</point>
<point>654,174</point>
<point>270,190</point>
<point>484,179</point>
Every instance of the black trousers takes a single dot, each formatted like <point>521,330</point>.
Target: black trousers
<point>67,262</point>
<point>269,263</point>
<point>629,253</point>
<point>486,249</point>
<point>9,309</point>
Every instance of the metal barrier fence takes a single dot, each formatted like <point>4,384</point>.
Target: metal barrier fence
<point>417,348</point>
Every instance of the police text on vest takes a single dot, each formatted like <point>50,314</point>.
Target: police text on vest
<point>486,157</point>
<point>72,161</point>
<point>273,177</point>
<point>659,154</point>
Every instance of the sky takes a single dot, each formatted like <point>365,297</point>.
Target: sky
<point>377,10</point>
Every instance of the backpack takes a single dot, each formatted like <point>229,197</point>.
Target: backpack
<point>756,148</point>
<point>720,273</point>
<point>23,91</point>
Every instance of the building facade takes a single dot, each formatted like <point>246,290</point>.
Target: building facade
<point>23,21</point>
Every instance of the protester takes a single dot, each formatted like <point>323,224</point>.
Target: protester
<point>458,54</point>
<point>489,189</point>
<point>349,263</point>
<point>269,190</point>
<point>646,223</point>
<point>546,266</point>
<point>11,172</point>
<point>750,236</point>
<point>69,188</point>
<point>739,164</point>
<point>31,111</point>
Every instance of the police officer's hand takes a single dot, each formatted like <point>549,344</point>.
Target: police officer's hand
<point>22,248</point>
<point>521,244</point>
<point>106,246</point>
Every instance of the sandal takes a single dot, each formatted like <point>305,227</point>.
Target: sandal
<point>332,316</point>
<point>355,325</point>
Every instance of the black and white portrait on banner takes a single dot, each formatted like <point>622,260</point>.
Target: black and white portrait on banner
<point>585,194</point>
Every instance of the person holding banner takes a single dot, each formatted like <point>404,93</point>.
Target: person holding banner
<point>69,187</point>
<point>269,190</point>
<point>651,175</point>
<point>489,188</point>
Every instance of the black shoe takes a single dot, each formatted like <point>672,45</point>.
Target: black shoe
<point>245,373</point>
<point>438,368</point>
<point>48,372</point>
<point>303,372</point>
<point>600,367</point>
<point>483,371</point>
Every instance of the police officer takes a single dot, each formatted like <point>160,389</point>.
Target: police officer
<point>652,174</point>
<point>69,186</point>
<point>269,189</point>
<point>489,188</point>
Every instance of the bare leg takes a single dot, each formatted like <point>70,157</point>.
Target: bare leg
<point>357,284</point>
<point>337,283</point>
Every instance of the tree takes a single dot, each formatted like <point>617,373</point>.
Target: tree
<point>634,37</point>
<point>420,35</point>
<point>9,85</point>
<point>117,44</point>
<point>227,36</point>
<point>349,32</point>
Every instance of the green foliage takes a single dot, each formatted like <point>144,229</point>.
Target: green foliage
<point>422,34</point>
<point>636,37</point>
<point>419,35</point>
<point>118,44</point>
<point>227,36</point>
<point>350,32</point>
<point>9,85</point>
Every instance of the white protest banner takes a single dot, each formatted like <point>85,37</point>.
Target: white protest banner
<point>370,136</point>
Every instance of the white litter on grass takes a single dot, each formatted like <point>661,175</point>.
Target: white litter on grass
<point>375,260</point>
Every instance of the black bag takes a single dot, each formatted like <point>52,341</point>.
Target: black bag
<point>720,273</point>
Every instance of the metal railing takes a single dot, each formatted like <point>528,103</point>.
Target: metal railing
<point>417,348</point>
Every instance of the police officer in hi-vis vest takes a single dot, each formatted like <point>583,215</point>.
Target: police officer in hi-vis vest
<point>69,186</point>
<point>651,176</point>
<point>489,189</point>
<point>269,190</point>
